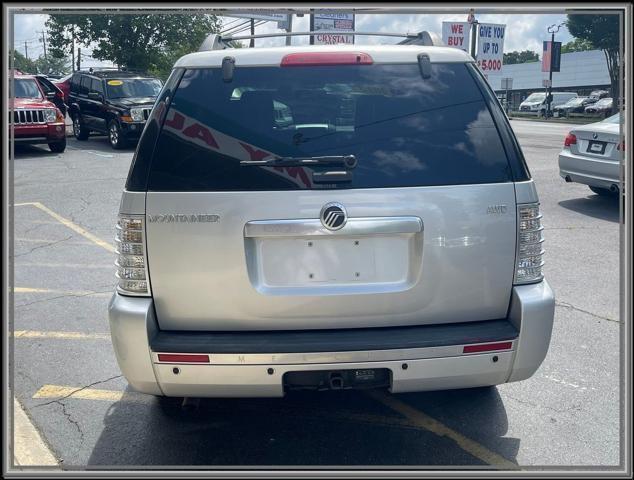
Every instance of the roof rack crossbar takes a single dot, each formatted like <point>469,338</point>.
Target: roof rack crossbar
<point>218,42</point>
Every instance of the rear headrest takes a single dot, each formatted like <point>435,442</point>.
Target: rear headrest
<point>256,110</point>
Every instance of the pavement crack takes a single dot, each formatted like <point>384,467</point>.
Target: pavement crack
<point>58,400</point>
<point>572,307</point>
<point>49,244</point>
<point>532,404</point>
<point>87,294</point>
<point>71,420</point>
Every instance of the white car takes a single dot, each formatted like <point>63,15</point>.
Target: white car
<point>536,102</point>
<point>592,156</point>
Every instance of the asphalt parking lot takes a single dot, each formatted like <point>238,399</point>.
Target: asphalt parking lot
<point>66,376</point>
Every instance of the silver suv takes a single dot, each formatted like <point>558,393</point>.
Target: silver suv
<point>328,217</point>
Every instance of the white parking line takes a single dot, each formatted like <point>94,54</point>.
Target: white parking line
<point>99,154</point>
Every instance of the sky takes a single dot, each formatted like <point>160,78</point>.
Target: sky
<point>522,32</point>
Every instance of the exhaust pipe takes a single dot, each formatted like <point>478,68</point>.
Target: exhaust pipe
<point>335,381</point>
<point>568,179</point>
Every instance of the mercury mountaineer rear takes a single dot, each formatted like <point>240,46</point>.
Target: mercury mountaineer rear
<point>328,217</point>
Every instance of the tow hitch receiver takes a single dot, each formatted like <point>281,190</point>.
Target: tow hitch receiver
<point>337,379</point>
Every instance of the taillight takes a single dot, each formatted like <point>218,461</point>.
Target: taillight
<point>570,139</point>
<point>305,59</point>
<point>528,268</point>
<point>131,258</point>
<point>621,146</point>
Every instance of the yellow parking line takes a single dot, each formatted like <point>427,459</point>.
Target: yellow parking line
<point>63,335</point>
<point>75,293</point>
<point>423,420</point>
<point>58,391</point>
<point>64,221</point>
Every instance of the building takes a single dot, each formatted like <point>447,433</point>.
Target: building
<point>580,72</point>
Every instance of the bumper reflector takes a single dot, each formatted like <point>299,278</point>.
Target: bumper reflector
<point>487,347</point>
<point>182,358</point>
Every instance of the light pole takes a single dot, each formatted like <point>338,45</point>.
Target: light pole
<point>552,31</point>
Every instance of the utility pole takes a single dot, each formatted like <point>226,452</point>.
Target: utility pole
<point>26,50</point>
<point>72,48</point>
<point>252,41</point>
<point>549,97</point>
<point>44,44</point>
<point>78,58</point>
<point>289,28</point>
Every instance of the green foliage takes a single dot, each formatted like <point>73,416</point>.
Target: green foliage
<point>149,42</point>
<point>577,45</point>
<point>52,64</point>
<point>524,56</point>
<point>20,62</point>
<point>602,32</point>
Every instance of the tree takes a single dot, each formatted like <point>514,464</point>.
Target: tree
<point>520,57</point>
<point>602,32</point>
<point>576,45</point>
<point>52,64</point>
<point>149,42</point>
<point>20,62</point>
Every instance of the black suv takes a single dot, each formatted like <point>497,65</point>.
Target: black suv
<point>112,102</point>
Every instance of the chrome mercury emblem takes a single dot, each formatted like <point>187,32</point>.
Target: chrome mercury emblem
<point>333,216</point>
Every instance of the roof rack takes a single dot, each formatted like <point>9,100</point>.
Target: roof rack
<point>215,41</point>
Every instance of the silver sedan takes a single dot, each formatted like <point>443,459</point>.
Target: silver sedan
<point>592,155</point>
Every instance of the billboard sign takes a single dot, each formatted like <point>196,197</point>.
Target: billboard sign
<point>490,46</point>
<point>456,34</point>
<point>333,22</point>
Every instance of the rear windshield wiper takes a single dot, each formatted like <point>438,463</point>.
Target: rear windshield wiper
<point>347,161</point>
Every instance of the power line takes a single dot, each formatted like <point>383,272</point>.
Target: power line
<point>235,26</point>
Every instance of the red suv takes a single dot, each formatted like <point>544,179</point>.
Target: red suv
<point>36,120</point>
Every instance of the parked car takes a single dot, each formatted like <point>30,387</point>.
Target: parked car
<point>36,120</point>
<point>603,106</point>
<point>599,94</point>
<point>258,256</point>
<point>64,85</point>
<point>592,155</point>
<point>112,102</point>
<point>574,105</point>
<point>52,92</point>
<point>536,102</point>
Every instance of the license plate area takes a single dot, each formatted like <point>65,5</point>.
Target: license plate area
<point>337,379</point>
<point>317,264</point>
<point>596,147</point>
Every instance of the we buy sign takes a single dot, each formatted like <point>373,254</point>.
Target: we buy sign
<point>456,34</point>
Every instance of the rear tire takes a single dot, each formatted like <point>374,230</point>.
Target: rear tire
<point>79,127</point>
<point>604,192</point>
<point>58,147</point>
<point>115,136</point>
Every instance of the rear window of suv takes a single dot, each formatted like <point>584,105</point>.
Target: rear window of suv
<point>404,130</point>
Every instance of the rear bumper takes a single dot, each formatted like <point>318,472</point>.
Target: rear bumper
<point>435,365</point>
<point>589,171</point>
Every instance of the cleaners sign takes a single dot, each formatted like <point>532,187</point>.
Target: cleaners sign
<point>456,34</point>
<point>333,22</point>
<point>490,46</point>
